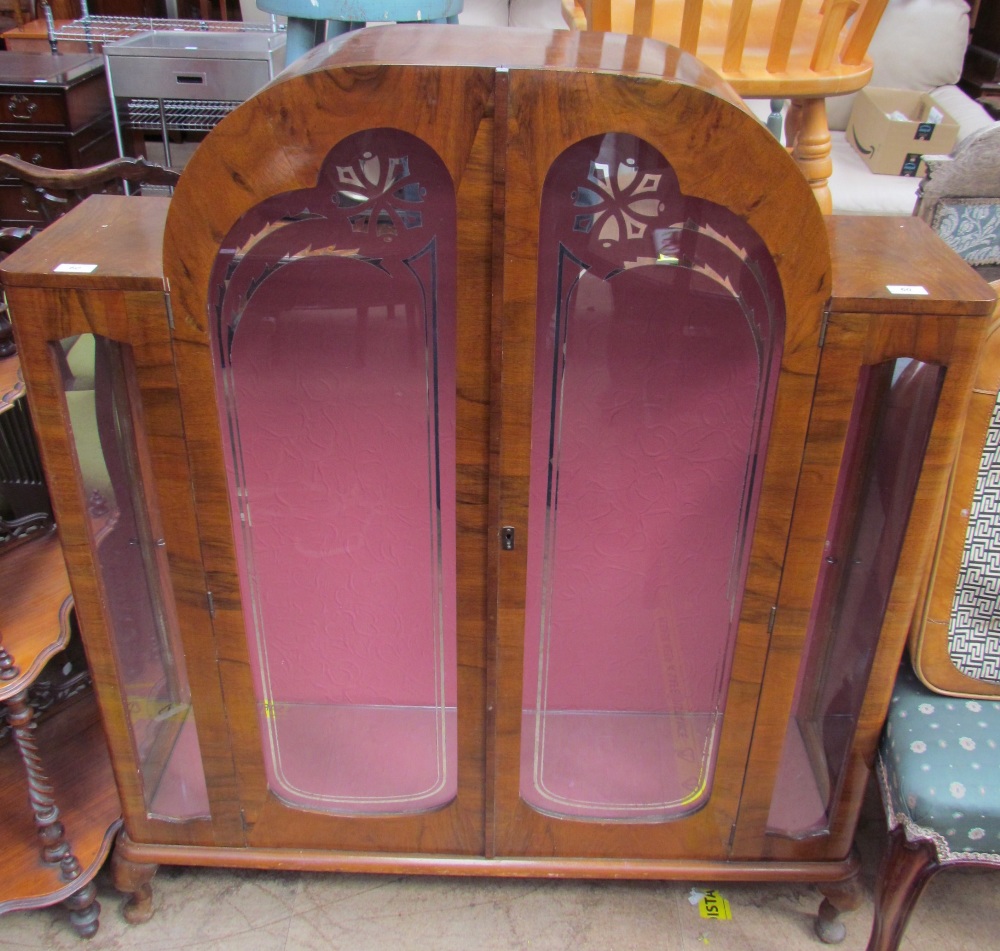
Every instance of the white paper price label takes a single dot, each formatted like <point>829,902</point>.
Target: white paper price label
<point>75,268</point>
<point>912,290</point>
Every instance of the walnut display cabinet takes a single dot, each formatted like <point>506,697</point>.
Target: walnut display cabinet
<point>495,465</point>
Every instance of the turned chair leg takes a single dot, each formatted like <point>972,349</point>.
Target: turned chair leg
<point>133,880</point>
<point>838,898</point>
<point>904,872</point>
<point>808,134</point>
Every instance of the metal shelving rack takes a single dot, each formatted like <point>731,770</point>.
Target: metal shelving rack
<point>99,30</point>
<point>181,115</point>
<point>141,108</point>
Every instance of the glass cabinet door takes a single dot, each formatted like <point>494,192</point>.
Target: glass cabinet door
<point>633,462</point>
<point>340,355</point>
<point>101,399</point>
<point>651,405</point>
<point>335,352</point>
<point>887,436</point>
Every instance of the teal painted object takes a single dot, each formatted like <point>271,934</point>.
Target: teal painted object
<point>939,767</point>
<point>310,22</point>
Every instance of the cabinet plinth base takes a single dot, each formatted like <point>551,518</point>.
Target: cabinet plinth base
<point>134,865</point>
<point>303,860</point>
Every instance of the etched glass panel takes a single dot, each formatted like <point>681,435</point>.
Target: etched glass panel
<point>102,400</point>
<point>335,355</point>
<point>890,425</point>
<point>658,343</point>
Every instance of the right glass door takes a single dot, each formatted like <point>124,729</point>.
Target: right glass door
<point>652,397</point>
<point>639,394</point>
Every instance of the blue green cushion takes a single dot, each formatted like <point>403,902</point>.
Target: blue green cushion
<point>939,767</point>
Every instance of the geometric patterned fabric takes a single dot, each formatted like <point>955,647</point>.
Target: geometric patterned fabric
<point>939,768</point>
<point>974,626</point>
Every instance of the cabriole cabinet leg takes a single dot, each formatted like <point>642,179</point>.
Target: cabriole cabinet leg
<point>133,879</point>
<point>838,897</point>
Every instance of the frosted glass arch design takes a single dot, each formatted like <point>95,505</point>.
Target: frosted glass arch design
<point>334,340</point>
<point>659,337</point>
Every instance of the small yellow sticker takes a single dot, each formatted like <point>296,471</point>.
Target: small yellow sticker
<point>269,709</point>
<point>714,906</point>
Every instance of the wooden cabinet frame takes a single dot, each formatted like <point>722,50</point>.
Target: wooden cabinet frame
<point>526,98</point>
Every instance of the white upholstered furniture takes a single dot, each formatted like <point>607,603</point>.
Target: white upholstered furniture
<point>920,45</point>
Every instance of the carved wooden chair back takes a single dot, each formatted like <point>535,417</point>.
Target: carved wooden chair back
<point>48,193</point>
<point>802,50</point>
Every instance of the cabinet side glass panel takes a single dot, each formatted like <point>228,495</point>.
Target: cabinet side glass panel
<point>101,396</point>
<point>657,349</point>
<point>890,426</point>
<point>335,359</point>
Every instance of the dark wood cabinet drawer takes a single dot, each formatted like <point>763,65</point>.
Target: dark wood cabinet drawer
<point>33,109</point>
<point>60,109</point>
<point>90,146</point>
<point>52,154</point>
<point>38,90</point>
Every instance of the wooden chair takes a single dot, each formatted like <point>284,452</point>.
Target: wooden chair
<point>48,193</point>
<point>802,50</point>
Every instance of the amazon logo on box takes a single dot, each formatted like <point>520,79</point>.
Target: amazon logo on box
<point>892,129</point>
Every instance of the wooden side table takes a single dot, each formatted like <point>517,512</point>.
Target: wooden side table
<point>57,792</point>
<point>58,800</point>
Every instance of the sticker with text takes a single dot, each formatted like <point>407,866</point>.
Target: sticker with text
<point>714,906</point>
<point>75,268</point>
<point>913,290</point>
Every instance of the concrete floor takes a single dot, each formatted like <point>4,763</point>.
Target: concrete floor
<point>225,910</point>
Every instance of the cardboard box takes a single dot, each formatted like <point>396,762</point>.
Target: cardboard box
<point>892,128</point>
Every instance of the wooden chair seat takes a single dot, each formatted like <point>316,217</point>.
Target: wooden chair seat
<point>802,50</point>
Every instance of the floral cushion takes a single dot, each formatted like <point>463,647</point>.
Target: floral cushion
<point>971,227</point>
<point>939,768</point>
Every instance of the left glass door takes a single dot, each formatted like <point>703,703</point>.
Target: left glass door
<point>339,344</point>
<point>100,393</point>
<point>336,386</point>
